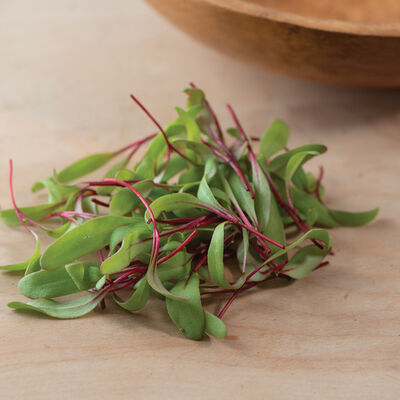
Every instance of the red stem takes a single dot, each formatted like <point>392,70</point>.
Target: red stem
<point>318,185</point>
<point>179,248</point>
<point>233,165</point>
<point>19,214</point>
<point>169,144</point>
<point>100,203</point>
<point>213,115</point>
<point>156,235</point>
<point>200,263</point>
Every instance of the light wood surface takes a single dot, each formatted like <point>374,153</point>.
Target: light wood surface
<point>66,73</point>
<point>344,43</point>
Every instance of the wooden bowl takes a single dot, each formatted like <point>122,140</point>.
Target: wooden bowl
<point>339,42</point>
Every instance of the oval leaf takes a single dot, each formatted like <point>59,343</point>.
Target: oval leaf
<point>347,218</point>
<point>274,138</point>
<point>214,325</point>
<point>215,260</point>
<point>9,217</point>
<point>124,201</point>
<point>132,246</point>
<point>304,261</point>
<point>188,316</point>
<point>70,309</point>
<point>84,167</point>
<point>90,236</point>
<point>138,299</point>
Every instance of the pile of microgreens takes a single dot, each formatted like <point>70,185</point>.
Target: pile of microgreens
<point>196,217</point>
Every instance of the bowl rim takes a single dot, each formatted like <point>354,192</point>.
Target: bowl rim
<point>329,25</point>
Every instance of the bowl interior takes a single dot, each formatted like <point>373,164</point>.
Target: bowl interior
<point>379,12</point>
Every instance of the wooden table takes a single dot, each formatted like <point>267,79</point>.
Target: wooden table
<point>66,72</point>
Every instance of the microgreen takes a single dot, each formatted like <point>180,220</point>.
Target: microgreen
<point>198,216</point>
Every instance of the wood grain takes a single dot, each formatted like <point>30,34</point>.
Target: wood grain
<point>338,43</point>
<point>375,12</point>
<point>64,92</point>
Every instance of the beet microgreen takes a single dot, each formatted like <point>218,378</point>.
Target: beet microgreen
<point>197,216</point>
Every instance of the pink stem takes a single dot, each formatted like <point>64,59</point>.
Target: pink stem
<point>233,165</point>
<point>213,115</point>
<point>318,185</point>
<point>156,234</point>
<point>179,248</point>
<point>100,203</point>
<point>245,138</point>
<point>200,263</point>
<point>169,145</point>
<point>100,254</point>
<point>19,214</point>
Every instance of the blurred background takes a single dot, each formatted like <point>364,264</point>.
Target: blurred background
<point>67,69</point>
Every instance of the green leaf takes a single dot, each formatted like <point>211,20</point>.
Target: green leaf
<point>57,192</point>
<point>347,218</point>
<point>262,198</point>
<point>228,191</point>
<point>252,262</point>
<point>175,166</point>
<point>101,282</point>
<point>199,152</point>
<point>146,169</point>
<point>195,97</point>
<point>306,202</point>
<point>177,267</point>
<point>317,234</point>
<point>65,310</point>
<point>191,176</point>
<point>311,216</point>
<point>59,282</point>
<point>132,247</point>
<point>193,130</point>
<point>33,266</point>
<point>242,196</point>
<point>215,259</point>
<point>90,236</point>
<point>274,138</point>
<point>119,233</point>
<point>124,201</point>
<point>282,159</point>
<point>57,232</point>
<point>156,284</point>
<point>176,202</point>
<point>84,166</point>
<point>158,147</point>
<point>295,162</point>
<point>222,198</point>
<point>304,261</point>
<point>85,274</point>
<point>111,173</point>
<point>234,132</point>
<point>204,193</point>
<point>138,299</point>
<point>9,217</point>
<point>29,264</point>
<point>188,316</point>
<point>214,325</point>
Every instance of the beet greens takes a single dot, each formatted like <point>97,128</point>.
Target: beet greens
<point>197,216</point>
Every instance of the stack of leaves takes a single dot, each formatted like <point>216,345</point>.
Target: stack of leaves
<point>196,217</point>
